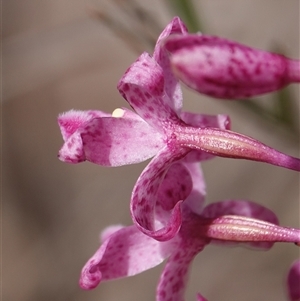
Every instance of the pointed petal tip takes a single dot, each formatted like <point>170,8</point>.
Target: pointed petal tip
<point>138,77</point>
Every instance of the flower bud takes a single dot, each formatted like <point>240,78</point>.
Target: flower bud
<point>225,69</point>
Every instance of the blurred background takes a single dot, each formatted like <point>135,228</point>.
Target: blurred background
<point>60,55</point>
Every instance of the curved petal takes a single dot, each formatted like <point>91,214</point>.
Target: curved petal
<point>124,253</point>
<point>69,122</point>
<point>112,141</point>
<point>226,69</point>
<point>142,86</point>
<point>242,208</point>
<point>145,194</point>
<point>109,231</point>
<point>176,185</point>
<point>172,87</point>
<point>72,150</point>
<point>196,199</point>
<point>173,280</point>
<point>293,281</point>
<point>229,144</point>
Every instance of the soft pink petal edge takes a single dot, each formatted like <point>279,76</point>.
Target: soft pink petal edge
<point>125,252</point>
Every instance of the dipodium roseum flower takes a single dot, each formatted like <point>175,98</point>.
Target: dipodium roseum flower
<point>293,281</point>
<point>158,125</point>
<point>225,69</point>
<point>158,128</point>
<point>126,137</point>
<point>126,251</point>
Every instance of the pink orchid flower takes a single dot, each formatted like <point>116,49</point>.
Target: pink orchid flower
<point>126,251</point>
<point>225,69</point>
<point>293,281</point>
<point>158,128</point>
<point>157,124</point>
<point>125,137</point>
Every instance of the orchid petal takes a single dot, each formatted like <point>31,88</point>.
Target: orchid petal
<point>226,69</point>
<point>293,281</point>
<point>173,280</point>
<point>109,231</point>
<point>145,194</point>
<point>195,200</point>
<point>233,145</point>
<point>203,120</point>
<point>112,141</point>
<point>176,185</point>
<point>172,86</point>
<point>73,120</point>
<point>242,208</point>
<point>124,253</point>
<point>143,87</point>
<point>71,123</point>
<point>176,26</point>
<point>72,150</point>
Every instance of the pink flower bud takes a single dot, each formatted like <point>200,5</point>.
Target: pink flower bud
<point>225,69</point>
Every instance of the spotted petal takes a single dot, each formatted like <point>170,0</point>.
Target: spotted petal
<point>145,194</point>
<point>73,120</point>
<point>196,199</point>
<point>143,87</point>
<point>173,280</point>
<point>220,121</point>
<point>226,69</point>
<point>126,252</point>
<point>110,141</point>
<point>171,85</point>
